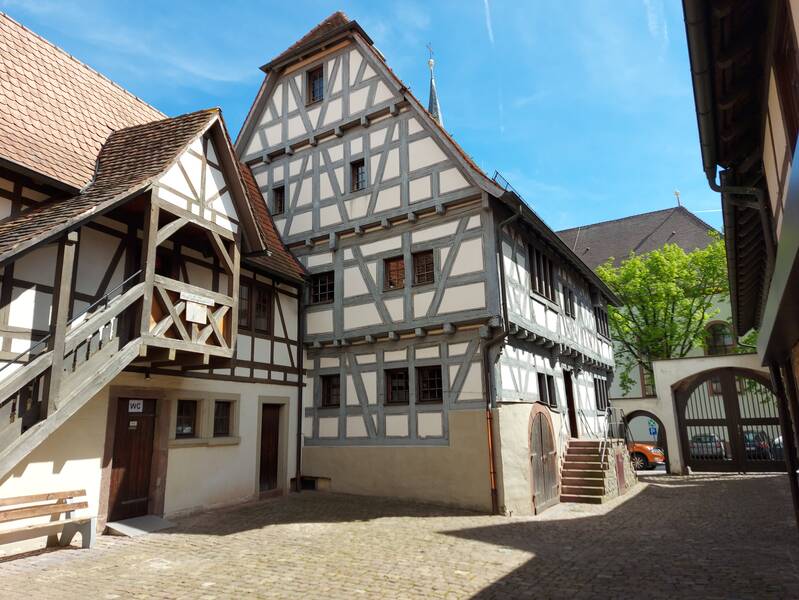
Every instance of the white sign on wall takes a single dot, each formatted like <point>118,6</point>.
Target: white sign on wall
<point>195,313</point>
<point>135,406</point>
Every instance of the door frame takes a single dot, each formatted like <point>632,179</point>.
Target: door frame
<point>539,409</point>
<point>282,447</point>
<point>160,449</point>
<point>571,398</point>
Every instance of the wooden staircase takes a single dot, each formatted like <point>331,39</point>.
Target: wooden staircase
<point>583,474</point>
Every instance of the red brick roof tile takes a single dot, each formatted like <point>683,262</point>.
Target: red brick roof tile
<point>56,112</point>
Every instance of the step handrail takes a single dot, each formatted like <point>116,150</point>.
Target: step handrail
<point>34,368</point>
<point>104,300</point>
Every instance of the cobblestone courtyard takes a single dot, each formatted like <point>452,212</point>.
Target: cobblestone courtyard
<point>703,537</point>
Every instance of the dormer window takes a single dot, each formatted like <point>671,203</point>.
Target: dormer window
<point>316,85</point>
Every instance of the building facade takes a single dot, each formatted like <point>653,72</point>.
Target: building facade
<point>442,314</point>
<point>149,313</point>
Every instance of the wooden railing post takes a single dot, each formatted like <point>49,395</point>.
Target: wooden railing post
<point>149,246</point>
<point>59,316</point>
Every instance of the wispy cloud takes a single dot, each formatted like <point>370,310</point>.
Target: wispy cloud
<point>656,21</point>
<point>489,27</point>
<point>525,101</point>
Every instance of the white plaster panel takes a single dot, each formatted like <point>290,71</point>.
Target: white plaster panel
<point>274,135</point>
<point>356,428</point>
<point>295,166</point>
<point>378,138</point>
<point>469,258</point>
<point>397,425</point>
<point>354,285</point>
<point>388,199</point>
<point>278,173</point>
<point>463,297</point>
<point>357,207</point>
<point>317,260</point>
<point>29,309</point>
<point>396,308</point>
<point>360,315</point>
<point>392,243</point>
<point>38,266</point>
<point>328,427</point>
<point>352,394</point>
<point>473,384</point>
<point>435,232</point>
<point>431,352</point>
<point>429,424</point>
<point>243,347</point>
<point>423,153</point>
<point>382,93</point>
<point>282,354</point>
<point>313,116</point>
<point>358,100</point>
<point>174,179</point>
<point>296,127</point>
<point>457,349</point>
<point>473,222</point>
<point>5,207</point>
<point>395,355</point>
<point>365,359</point>
<point>413,126</point>
<point>451,180</point>
<point>392,168</point>
<point>320,321</point>
<point>329,215</point>
<point>421,302</point>
<point>370,385</point>
<point>307,427</point>
<point>328,362</point>
<point>368,72</point>
<point>199,275</point>
<point>301,222</point>
<point>336,152</point>
<point>420,189</point>
<point>325,186</point>
<point>355,64</point>
<point>333,113</point>
<point>356,145</point>
<point>262,350</point>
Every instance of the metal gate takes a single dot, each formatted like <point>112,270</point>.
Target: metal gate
<point>729,422</point>
<point>544,464</point>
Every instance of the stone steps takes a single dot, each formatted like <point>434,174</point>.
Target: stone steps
<point>583,473</point>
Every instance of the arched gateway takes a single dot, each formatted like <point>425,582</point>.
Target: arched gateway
<point>728,421</point>
<point>543,463</point>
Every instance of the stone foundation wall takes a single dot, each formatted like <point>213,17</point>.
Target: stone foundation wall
<point>618,451</point>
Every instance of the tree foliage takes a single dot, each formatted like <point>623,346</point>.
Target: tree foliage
<point>667,295</point>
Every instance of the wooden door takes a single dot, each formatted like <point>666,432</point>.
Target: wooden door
<point>567,383</point>
<point>544,464</point>
<point>133,456</point>
<point>270,425</point>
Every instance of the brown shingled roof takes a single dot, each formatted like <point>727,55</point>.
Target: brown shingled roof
<point>128,162</point>
<point>643,233</point>
<point>279,259</point>
<point>56,112</point>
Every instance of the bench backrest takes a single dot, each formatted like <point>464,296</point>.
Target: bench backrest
<point>40,505</point>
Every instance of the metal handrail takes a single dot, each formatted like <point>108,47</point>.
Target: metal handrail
<point>104,300</point>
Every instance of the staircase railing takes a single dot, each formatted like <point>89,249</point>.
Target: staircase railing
<point>615,428</point>
<point>22,387</point>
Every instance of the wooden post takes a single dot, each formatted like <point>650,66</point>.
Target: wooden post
<point>149,245</point>
<point>233,292</point>
<point>788,446</point>
<point>62,293</point>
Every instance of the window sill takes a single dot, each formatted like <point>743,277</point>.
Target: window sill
<point>197,442</point>
<point>546,301</point>
<point>314,102</point>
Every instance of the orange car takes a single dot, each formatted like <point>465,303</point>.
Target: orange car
<point>645,456</point>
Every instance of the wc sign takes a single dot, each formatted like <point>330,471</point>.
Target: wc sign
<point>135,406</point>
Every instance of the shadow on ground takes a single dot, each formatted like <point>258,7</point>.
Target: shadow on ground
<point>707,536</point>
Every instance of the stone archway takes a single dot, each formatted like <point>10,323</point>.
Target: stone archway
<point>662,440</point>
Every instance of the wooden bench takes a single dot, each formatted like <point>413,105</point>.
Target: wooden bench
<point>53,505</point>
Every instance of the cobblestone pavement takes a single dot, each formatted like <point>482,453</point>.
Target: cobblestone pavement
<point>700,537</point>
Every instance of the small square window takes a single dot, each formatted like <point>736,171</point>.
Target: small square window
<point>397,386</point>
<point>244,306</point>
<point>223,409</point>
<point>394,273</point>
<point>278,200</point>
<point>186,422</point>
<point>322,288</point>
<point>423,268</point>
<point>316,85</point>
<point>331,390</point>
<point>601,394</point>
<point>546,390</point>
<point>358,174</point>
<point>429,384</point>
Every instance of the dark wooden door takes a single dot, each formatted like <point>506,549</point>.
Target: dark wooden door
<point>270,425</point>
<point>133,455</point>
<point>567,383</point>
<point>544,464</point>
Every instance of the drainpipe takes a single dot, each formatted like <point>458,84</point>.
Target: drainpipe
<point>300,386</point>
<point>487,368</point>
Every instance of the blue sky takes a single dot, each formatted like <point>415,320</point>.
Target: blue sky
<point>585,106</point>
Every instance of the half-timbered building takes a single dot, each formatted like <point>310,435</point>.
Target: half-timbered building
<point>453,343</point>
<point>149,313</point>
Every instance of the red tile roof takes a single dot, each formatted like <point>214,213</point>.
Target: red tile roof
<point>56,112</point>
<point>279,259</point>
<point>331,23</point>
<point>129,161</point>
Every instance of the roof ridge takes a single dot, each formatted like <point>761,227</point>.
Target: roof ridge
<point>215,109</point>
<point>699,219</point>
<point>80,62</point>
<point>588,225</point>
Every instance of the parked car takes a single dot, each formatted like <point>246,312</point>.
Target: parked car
<point>757,445</point>
<point>707,446</point>
<point>645,456</point>
<point>777,448</point>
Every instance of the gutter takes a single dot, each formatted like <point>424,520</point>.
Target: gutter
<point>487,370</point>
<point>300,386</point>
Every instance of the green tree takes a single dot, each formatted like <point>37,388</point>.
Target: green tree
<point>667,295</point>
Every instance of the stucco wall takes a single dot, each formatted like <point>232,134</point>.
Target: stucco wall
<point>456,474</point>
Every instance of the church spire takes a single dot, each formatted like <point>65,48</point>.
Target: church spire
<point>432,105</point>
